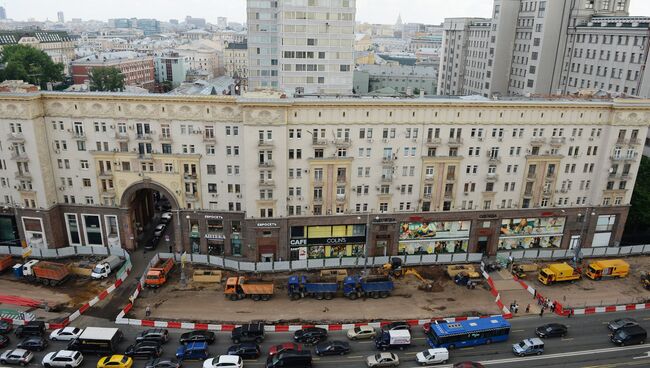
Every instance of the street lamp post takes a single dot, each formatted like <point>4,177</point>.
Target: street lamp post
<point>577,250</point>
<point>367,243</point>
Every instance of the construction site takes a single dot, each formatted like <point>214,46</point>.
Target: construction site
<point>329,296</point>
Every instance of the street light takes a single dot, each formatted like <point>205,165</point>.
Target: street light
<point>578,248</point>
<point>365,248</point>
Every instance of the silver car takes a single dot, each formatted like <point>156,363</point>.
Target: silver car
<point>382,360</point>
<point>617,324</point>
<point>16,356</point>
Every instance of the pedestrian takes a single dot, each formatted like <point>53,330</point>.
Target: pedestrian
<point>528,308</point>
<point>147,311</point>
<point>541,312</point>
<point>553,307</point>
<point>516,308</point>
<point>570,313</point>
<point>534,294</point>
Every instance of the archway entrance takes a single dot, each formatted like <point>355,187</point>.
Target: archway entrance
<point>150,211</point>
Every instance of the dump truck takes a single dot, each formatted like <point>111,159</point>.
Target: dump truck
<point>453,270</point>
<point>157,275</point>
<point>521,269</point>
<point>300,287</point>
<point>47,273</point>
<point>6,262</point>
<point>240,287</point>
<point>608,268</point>
<point>373,287</point>
<point>107,265</point>
<point>557,272</point>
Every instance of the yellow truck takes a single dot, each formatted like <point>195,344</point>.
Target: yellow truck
<point>557,272</point>
<point>453,270</point>
<point>608,268</point>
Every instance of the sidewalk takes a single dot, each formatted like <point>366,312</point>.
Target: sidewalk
<point>512,292</point>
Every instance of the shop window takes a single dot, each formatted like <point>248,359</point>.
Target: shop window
<point>93,227</point>
<point>215,227</point>
<point>605,222</point>
<point>74,237</point>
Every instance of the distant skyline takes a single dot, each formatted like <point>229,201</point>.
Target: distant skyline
<point>371,11</point>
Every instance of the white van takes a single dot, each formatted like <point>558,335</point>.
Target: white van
<point>432,356</point>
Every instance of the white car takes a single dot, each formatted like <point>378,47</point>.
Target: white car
<point>65,334</point>
<point>382,360</point>
<point>432,356</point>
<point>228,361</point>
<point>16,356</point>
<point>63,358</point>
<point>361,332</point>
<point>166,217</point>
<point>159,230</point>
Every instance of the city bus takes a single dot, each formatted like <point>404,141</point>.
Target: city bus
<point>473,332</point>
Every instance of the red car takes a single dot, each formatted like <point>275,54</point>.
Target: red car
<point>468,365</point>
<point>427,326</point>
<point>287,346</point>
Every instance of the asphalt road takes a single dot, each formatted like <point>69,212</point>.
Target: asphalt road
<point>587,345</point>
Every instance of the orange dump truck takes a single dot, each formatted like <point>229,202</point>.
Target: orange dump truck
<point>6,262</point>
<point>240,287</point>
<point>157,275</point>
<point>47,273</point>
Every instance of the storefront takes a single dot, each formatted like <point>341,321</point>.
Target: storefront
<point>34,232</point>
<point>429,237</point>
<point>9,231</point>
<point>195,235</point>
<point>330,241</point>
<point>604,228</point>
<point>528,233</point>
<point>215,236</point>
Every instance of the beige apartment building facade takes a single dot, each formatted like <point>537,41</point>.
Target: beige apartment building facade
<point>270,178</point>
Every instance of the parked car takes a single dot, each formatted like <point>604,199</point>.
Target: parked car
<point>290,359</point>
<point>4,341</point>
<point>620,323</point>
<point>393,326</point>
<point>65,334</point>
<point>152,243</point>
<point>159,230</point>
<point>281,348</point>
<point>159,335</point>
<point>196,350</point>
<point>63,358</point>
<point>33,343</point>
<point>629,336</point>
<point>197,335</point>
<point>382,360</point>
<point>115,361</point>
<point>16,356</point>
<point>432,356</point>
<point>225,361</point>
<point>310,335</point>
<point>551,330</point>
<point>247,333</point>
<point>534,346</point>
<point>468,364</point>
<point>144,349</point>
<point>162,363</point>
<point>361,333</point>
<point>246,350</point>
<point>166,217</point>
<point>5,327</point>
<point>334,347</point>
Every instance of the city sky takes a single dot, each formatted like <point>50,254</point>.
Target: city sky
<point>373,11</point>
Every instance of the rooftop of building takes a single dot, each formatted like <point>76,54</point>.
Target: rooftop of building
<point>215,86</point>
<point>399,70</point>
<point>110,56</point>
<point>12,37</point>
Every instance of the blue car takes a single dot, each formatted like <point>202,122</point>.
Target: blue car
<point>193,351</point>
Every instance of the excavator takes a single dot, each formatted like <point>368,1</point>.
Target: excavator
<point>645,280</point>
<point>394,269</point>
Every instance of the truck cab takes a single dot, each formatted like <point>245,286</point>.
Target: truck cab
<point>28,267</point>
<point>101,270</point>
<point>393,339</point>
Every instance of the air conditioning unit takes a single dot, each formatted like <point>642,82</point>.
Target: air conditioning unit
<point>370,140</point>
<point>500,139</point>
<point>591,138</point>
<point>480,139</point>
<point>61,188</point>
<point>385,140</point>
<point>214,195</point>
<point>239,195</point>
<point>301,198</point>
<point>572,139</point>
<point>57,151</point>
<point>114,149</point>
<point>112,126</point>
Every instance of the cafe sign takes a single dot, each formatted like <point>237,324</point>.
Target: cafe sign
<point>335,240</point>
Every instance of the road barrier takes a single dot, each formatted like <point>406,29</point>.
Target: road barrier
<point>554,254</point>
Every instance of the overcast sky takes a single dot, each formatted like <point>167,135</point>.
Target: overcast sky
<point>374,11</point>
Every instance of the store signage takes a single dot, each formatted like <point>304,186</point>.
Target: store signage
<point>384,220</point>
<point>215,236</point>
<point>488,216</point>
<point>297,242</point>
<point>214,217</point>
<point>267,224</point>
<point>336,240</point>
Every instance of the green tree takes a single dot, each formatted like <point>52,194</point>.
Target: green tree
<point>639,216</point>
<point>106,79</point>
<point>29,64</point>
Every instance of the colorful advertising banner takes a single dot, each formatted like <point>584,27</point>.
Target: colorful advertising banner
<point>433,246</point>
<point>531,232</point>
<point>434,230</point>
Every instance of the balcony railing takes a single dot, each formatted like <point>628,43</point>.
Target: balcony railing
<point>319,142</point>
<point>456,141</point>
<point>16,137</point>
<point>265,143</point>
<point>433,141</point>
<point>267,163</point>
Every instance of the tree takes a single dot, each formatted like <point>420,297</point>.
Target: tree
<point>106,79</point>
<point>639,215</point>
<point>29,64</point>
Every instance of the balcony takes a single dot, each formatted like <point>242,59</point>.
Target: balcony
<point>387,161</point>
<point>341,179</point>
<point>624,158</point>
<point>121,137</point>
<point>318,200</point>
<point>537,140</point>
<point>105,175</point>
<point>267,183</point>
<point>165,138</point>
<point>492,177</point>
<point>267,163</point>
<point>386,178</point>
<point>528,193</point>
<point>321,142</point>
<point>340,197</point>
<point>493,159</point>
<point>191,196</point>
<point>144,137</point>
<point>21,175</point>
<point>449,194</point>
<point>190,177</point>
<point>265,143</point>
<point>634,141</point>
<point>146,156</point>
<point>343,142</point>
<point>455,142</point>
<point>531,175</point>
<point>428,178</point>
<point>450,177</point>
<point>23,190</point>
<point>550,175</point>
<point>16,137</point>
<point>558,141</point>
<point>79,136</point>
<point>209,138</point>
<point>19,156</point>
<point>108,193</point>
<point>433,142</point>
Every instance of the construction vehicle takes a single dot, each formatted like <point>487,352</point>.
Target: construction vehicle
<point>300,287</point>
<point>645,280</point>
<point>240,287</point>
<point>157,275</point>
<point>520,270</point>
<point>47,273</point>
<point>373,287</point>
<point>107,265</point>
<point>453,270</point>
<point>394,269</point>
<point>557,272</point>
<point>464,278</point>
<point>608,268</point>
<point>6,262</point>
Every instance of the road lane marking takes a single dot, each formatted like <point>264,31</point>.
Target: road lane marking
<point>568,339</point>
<point>517,330</point>
<point>647,355</point>
<point>469,348</point>
<point>355,356</point>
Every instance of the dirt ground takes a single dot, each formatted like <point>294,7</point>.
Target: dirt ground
<point>589,293</point>
<point>406,302</point>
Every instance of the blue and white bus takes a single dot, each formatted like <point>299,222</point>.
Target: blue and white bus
<point>462,334</point>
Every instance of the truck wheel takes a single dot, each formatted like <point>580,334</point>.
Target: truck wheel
<point>375,295</point>
<point>319,296</point>
<point>383,294</point>
<point>266,297</point>
<point>352,296</point>
<point>295,296</point>
<point>329,296</point>
<point>255,297</point>
<point>233,297</point>
<point>452,347</point>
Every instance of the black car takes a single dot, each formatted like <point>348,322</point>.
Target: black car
<point>31,328</point>
<point>551,330</point>
<point>310,335</point>
<point>197,335</point>
<point>4,341</point>
<point>252,332</point>
<point>33,343</point>
<point>159,335</point>
<point>393,326</point>
<point>152,243</point>
<point>5,327</point>
<point>245,350</point>
<point>144,349</point>
<point>162,363</point>
<point>333,348</point>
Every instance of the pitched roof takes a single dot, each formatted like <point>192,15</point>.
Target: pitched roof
<point>13,37</point>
